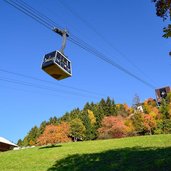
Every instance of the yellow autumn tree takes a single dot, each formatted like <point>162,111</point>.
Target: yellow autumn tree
<point>91,117</point>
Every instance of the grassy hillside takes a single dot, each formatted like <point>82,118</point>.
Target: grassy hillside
<point>136,153</point>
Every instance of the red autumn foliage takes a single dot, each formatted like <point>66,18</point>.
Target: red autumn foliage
<point>54,134</point>
<point>113,127</point>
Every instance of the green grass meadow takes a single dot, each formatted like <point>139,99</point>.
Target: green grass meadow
<point>146,153</point>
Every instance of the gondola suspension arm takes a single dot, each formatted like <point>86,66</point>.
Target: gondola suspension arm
<point>64,35</point>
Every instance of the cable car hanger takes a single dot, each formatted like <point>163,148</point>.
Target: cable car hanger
<point>64,35</point>
<point>55,63</point>
<point>50,24</point>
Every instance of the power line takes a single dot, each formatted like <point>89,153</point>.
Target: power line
<point>47,19</point>
<point>40,15</point>
<point>50,82</point>
<point>79,43</point>
<point>66,6</point>
<point>28,91</point>
<point>109,61</point>
<point>29,13</point>
<point>19,82</point>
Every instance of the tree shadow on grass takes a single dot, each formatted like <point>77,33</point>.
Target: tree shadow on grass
<point>49,146</point>
<point>126,159</point>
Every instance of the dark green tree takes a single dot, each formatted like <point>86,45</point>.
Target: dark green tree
<point>20,143</point>
<point>53,120</point>
<point>25,141</point>
<point>163,10</point>
<point>65,118</point>
<point>110,107</point>
<point>91,132</point>
<point>77,129</point>
<point>42,127</point>
<point>104,108</point>
<point>99,114</point>
<point>138,123</point>
<point>167,126</point>
<point>164,109</point>
<point>76,113</point>
<point>31,137</point>
<point>87,106</point>
<point>168,98</point>
<point>165,123</point>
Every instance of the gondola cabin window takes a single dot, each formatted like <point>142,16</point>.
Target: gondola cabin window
<point>49,56</point>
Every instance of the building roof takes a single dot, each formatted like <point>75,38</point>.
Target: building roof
<point>5,141</point>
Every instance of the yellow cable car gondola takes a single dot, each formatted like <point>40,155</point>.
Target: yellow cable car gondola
<point>55,63</point>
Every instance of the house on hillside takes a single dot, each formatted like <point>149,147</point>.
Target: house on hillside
<point>6,145</point>
<point>140,107</point>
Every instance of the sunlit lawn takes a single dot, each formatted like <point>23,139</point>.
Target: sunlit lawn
<point>129,154</point>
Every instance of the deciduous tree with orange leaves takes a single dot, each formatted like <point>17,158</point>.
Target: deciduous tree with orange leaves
<point>54,134</point>
<point>113,127</point>
<point>149,123</point>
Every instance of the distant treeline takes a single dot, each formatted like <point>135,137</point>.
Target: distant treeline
<point>103,120</point>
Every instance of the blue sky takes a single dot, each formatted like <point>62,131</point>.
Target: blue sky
<point>130,27</point>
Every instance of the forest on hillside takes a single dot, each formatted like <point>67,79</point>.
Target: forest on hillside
<point>103,120</point>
